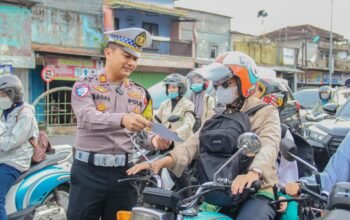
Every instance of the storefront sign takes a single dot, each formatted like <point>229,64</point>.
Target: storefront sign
<point>70,68</point>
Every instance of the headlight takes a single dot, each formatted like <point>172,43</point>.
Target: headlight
<point>141,213</point>
<point>316,134</point>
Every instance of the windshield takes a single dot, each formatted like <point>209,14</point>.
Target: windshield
<point>344,112</point>
<point>307,98</point>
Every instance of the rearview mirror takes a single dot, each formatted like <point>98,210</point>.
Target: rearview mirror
<point>174,118</point>
<point>330,108</point>
<point>250,142</point>
<point>288,146</point>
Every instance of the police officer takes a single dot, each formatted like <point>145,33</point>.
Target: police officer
<point>108,108</point>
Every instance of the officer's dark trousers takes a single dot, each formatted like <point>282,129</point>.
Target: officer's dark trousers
<point>95,192</point>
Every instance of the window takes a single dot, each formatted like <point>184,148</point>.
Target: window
<point>214,51</point>
<point>116,23</point>
<point>151,28</point>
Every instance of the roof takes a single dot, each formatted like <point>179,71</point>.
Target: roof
<point>286,69</point>
<point>207,12</point>
<point>146,7</point>
<point>28,3</point>
<point>300,31</point>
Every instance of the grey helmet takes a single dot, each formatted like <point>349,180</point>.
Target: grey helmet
<point>327,90</point>
<point>176,80</point>
<point>13,87</point>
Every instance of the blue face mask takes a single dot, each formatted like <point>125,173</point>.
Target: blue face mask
<point>197,87</point>
<point>173,95</point>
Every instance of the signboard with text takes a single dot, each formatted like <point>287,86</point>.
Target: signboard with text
<point>71,68</point>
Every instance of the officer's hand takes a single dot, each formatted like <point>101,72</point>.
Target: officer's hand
<point>155,166</point>
<point>292,189</point>
<point>159,143</point>
<point>243,181</point>
<point>135,122</point>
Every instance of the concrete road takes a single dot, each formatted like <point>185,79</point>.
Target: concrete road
<point>62,139</point>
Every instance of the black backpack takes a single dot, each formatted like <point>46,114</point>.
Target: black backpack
<point>305,150</point>
<point>218,142</point>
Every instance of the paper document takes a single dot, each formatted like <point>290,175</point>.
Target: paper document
<point>165,133</point>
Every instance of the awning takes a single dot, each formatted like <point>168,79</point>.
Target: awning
<point>286,69</point>
<point>146,7</point>
<point>65,50</point>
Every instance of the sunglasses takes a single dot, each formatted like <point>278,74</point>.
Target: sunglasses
<point>225,84</point>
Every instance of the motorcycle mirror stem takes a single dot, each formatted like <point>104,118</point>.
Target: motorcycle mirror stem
<point>313,168</point>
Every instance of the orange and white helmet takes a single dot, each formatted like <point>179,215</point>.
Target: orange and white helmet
<point>244,68</point>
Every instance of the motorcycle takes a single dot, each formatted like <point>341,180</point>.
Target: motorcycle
<point>314,203</point>
<point>163,204</point>
<point>42,192</point>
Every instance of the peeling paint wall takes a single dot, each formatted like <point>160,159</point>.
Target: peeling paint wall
<point>67,28</point>
<point>15,40</point>
<point>83,6</point>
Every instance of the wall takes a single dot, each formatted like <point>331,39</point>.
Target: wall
<point>15,40</point>
<point>56,26</point>
<point>211,30</point>
<point>83,6</point>
<point>163,3</point>
<point>22,74</point>
<point>135,18</point>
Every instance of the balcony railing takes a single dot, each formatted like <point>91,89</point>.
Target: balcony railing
<point>167,47</point>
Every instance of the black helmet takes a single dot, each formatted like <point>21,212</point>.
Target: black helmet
<point>327,90</point>
<point>12,87</point>
<point>273,92</point>
<point>176,80</point>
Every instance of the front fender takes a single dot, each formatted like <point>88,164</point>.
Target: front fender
<point>36,187</point>
<point>208,216</point>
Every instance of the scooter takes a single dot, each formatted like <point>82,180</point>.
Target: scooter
<point>336,205</point>
<point>42,192</point>
<point>163,204</point>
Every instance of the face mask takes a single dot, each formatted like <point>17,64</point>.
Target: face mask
<point>173,95</point>
<point>197,87</point>
<point>5,103</point>
<point>226,96</point>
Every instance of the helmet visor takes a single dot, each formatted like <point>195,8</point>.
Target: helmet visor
<point>216,72</point>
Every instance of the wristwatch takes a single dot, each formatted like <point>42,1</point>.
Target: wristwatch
<point>257,171</point>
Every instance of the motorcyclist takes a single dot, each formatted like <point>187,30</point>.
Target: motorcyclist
<point>325,95</point>
<point>337,170</point>
<point>17,126</point>
<point>275,93</point>
<point>203,103</point>
<point>234,75</point>
<point>177,104</point>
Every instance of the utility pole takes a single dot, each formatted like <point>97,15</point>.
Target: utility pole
<point>330,62</point>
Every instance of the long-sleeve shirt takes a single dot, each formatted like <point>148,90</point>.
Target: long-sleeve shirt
<point>337,169</point>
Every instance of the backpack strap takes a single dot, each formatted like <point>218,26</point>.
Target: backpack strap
<point>253,110</point>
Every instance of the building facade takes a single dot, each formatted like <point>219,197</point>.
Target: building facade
<point>167,53</point>
<point>309,46</point>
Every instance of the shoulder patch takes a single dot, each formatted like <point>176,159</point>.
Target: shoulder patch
<point>81,90</point>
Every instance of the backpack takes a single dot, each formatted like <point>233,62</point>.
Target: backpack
<point>305,150</point>
<point>41,146</point>
<point>218,142</point>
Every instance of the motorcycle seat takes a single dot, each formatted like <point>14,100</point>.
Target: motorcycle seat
<point>51,159</point>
